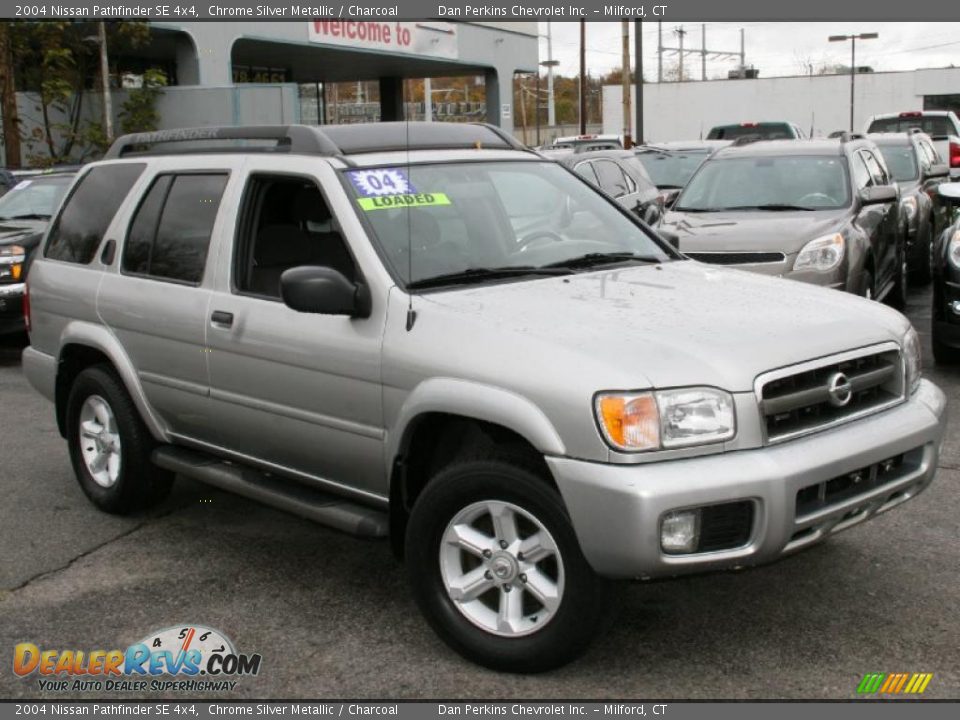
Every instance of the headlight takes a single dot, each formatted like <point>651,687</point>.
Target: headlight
<point>912,359</point>
<point>953,250</point>
<point>823,254</point>
<point>910,207</point>
<point>666,418</point>
<point>11,262</point>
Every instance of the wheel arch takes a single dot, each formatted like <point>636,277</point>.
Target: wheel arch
<point>83,345</point>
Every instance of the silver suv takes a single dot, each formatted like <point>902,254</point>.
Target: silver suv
<point>431,334</point>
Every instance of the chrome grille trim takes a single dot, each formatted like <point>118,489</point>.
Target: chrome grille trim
<point>886,378</point>
<point>738,258</point>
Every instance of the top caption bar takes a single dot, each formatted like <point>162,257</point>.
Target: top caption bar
<point>674,10</point>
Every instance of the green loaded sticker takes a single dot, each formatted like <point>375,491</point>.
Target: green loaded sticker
<point>386,202</point>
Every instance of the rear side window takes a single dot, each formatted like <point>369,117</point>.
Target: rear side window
<point>170,233</point>
<point>77,232</point>
<point>612,179</point>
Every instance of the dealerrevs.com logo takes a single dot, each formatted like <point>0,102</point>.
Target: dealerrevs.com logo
<point>187,658</point>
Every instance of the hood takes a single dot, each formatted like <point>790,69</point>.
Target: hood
<point>752,230</point>
<point>21,232</point>
<point>680,323</point>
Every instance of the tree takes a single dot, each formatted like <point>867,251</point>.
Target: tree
<point>8,99</point>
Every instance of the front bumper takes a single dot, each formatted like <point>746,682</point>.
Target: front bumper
<point>616,509</point>
<point>11,308</point>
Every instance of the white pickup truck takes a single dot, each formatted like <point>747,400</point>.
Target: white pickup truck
<point>943,126</point>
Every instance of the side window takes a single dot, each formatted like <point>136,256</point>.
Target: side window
<point>285,223</point>
<point>933,157</point>
<point>87,213</point>
<point>877,171</point>
<point>612,179</point>
<point>170,234</point>
<point>861,176</point>
<point>585,170</point>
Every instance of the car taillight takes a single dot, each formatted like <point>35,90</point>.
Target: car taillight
<point>955,155</point>
<point>26,305</point>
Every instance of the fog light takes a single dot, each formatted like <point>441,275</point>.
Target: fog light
<point>955,307</point>
<point>680,531</point>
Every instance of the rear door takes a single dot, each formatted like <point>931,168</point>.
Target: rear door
<point>889,233</point>
<point>155,299</point>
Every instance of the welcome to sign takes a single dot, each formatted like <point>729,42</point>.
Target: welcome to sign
<point>433,39</point>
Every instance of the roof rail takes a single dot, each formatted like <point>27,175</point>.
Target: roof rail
<point>289,138</point>
<point>330,141</point>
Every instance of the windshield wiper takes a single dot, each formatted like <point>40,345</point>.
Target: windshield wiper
<point>27,216</point>
<point>769,206</point>
<point>476,275</point>
<point>592,259</point>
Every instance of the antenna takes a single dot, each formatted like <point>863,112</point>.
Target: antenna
<point>411,313</point>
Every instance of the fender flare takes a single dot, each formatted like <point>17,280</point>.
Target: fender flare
<point>478,401</point>
<point>79,332</point>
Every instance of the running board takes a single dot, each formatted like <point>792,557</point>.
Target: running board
<point>291,496</point>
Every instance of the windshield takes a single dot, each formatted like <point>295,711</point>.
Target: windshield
<point>459,217</point>
<point>804,182</point>
<point>901,161</point>
<point>934,125</point>
<point>764,131</point>
<point>672,169</point>
<point>33,199</point>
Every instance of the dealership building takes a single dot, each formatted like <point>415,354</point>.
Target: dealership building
<point>236,72</point>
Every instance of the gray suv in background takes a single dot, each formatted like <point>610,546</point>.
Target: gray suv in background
<point>428,333</point>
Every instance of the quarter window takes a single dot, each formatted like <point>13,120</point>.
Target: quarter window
<point>88,212</point>
<point>170,234</point>
<point>612,179</point>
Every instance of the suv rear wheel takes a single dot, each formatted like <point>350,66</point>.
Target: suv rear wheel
<point>110,446</point>
<point>495,566</point>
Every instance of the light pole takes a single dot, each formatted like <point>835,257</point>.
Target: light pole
<point>853,60</point>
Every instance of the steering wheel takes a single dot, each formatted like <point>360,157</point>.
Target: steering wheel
<point>814,197</point>
<point>537,235</point>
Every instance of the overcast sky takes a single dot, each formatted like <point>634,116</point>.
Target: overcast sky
<point>776,48</point>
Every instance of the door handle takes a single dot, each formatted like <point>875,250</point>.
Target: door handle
<point>220,317</point>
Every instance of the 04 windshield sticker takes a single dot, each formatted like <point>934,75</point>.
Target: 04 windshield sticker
<point>377,182</point>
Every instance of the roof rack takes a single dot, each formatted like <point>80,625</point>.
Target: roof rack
<point>329,141</point>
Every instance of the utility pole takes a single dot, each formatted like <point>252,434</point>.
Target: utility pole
<point>638,76</point>
<point>8,100</point>
<point>583,76</point>
<point>680,32</point>
<point>703,52</point>
<point>659,51</point>
<point>743,49</point>
<point>853,61</point>
<point>625,85</point>
<point>551,107</point>
<point>105,84</point>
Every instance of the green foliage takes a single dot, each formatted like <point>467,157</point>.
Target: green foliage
<point>139,111</point>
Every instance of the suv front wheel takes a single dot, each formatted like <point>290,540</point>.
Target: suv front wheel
<point>496,568</point>
<point>110,446</point>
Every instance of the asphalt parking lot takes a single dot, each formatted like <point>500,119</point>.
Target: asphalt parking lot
<point>332,617</point>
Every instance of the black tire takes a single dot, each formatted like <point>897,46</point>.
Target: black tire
<point>897,297</point>
<point>581,611</point>
<point>922,274</point>
<point>139,484</point>
<point>866,289</point>
<point>943,354</point>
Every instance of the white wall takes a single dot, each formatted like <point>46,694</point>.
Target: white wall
<point>681,111</point>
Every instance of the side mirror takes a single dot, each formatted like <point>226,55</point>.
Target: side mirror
<point>949,193</point>
<point>670,237</point>
<point>878,194</point>
<point>669,197</point>
<point>324,291</point>
<point>937,171</point>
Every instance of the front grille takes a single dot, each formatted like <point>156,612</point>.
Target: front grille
<point>725,527</point>
<point>737,258</point>
<point>810,397</point>
<point>861,481</point>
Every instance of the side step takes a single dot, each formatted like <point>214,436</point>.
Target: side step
<point>291,496</point>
